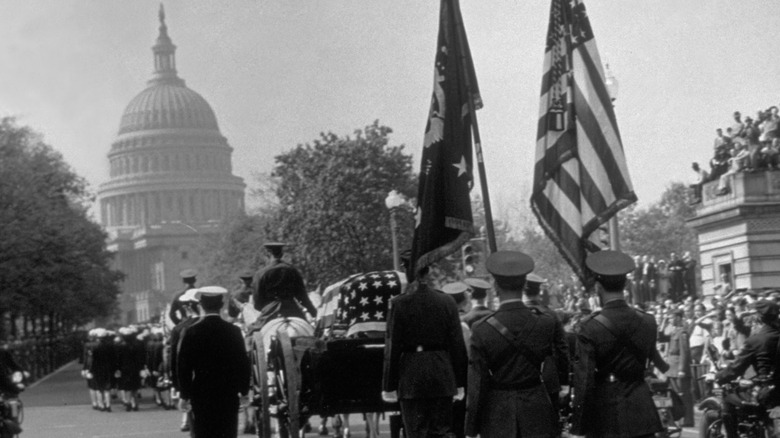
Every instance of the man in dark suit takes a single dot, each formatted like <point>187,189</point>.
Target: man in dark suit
<point>506,394</point>
<point>614,346</point>
<point>556,366</point>
<point>479,288</point>
<point>213,369</point>
<point>425,359</point>
<point>191,311</point>
<point>678,356</point>
<point>279,289</point>
<point>177,313</point>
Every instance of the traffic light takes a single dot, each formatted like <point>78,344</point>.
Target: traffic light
<point>471,256</point>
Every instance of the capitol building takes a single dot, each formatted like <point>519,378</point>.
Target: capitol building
<point>171,186</point>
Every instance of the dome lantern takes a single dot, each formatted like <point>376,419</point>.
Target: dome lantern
<point>164,56</point>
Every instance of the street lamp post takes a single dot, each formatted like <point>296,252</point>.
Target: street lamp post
<point>612,88</point>
<point>393,202</point>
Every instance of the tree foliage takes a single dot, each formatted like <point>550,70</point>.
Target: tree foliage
<point>331,202</point>
<point>53,259</point>
<point>660,228</point>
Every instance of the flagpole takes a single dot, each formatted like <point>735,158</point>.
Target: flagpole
<point>491,234</point>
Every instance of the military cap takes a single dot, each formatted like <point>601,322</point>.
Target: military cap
<point>189,296</point>
<point>509,268</point>
<point>533,284</point>
<point>479,286</point>
<point>610,268</point>
<point>271,246</point>
<point>477,283</point>
<point>766,308</point>
<point>456,290</point>
<point>188,273</point>
<point>101,332</point>
<point>211,291</point>
<point>246,274</point>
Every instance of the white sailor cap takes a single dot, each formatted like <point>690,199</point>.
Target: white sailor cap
<point>211,291</point>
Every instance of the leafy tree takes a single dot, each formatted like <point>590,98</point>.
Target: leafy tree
<point>660,228</point>
<point>53,259</point>
<point>331,202</point>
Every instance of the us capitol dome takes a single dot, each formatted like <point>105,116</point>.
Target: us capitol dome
<point>171,186</point>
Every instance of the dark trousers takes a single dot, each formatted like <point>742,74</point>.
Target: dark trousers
<point>427,417</point>
<point>214,419</point>
<point>682,386</point>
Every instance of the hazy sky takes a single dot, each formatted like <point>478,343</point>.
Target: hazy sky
<point>277,73</point>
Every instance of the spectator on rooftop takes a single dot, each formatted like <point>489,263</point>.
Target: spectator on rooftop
<point>770,138</point>
<point>739,156</point>
<point>737,128</point>
<point>720,139</point>
<point>701,177</point>
<point>752,134</point>
<point>719,164</point>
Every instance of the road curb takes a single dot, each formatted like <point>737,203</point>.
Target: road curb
<point>46,377</point>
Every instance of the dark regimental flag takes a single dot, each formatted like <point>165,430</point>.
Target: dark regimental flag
<point>580,178</point>
<point>364,300</point>
<point>443,220</point>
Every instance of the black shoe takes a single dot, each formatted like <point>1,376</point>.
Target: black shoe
<point>323,430</point>
<point>107,409</point>
<point>185,428</point>
<point>128,408</point>
<point>135,408</point>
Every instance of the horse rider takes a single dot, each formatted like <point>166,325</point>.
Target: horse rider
<point>177,313</point>
<point>279,290</point>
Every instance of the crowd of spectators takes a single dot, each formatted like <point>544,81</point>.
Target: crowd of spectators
<point>750,145</point>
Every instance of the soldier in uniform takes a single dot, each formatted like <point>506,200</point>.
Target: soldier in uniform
<point>506,394</point>
<point>213,369</point>
<point>556,366</point>
<point>678,356</point>
<point>192,313</point>
<point>176,313</point>
<point>614,346</point>
<point>243,295</point>
<point>279,289</point>
<point>479,288</point>
<point>425,359</point>
<point>459,292</point>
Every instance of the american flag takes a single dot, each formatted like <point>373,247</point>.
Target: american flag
<point>581,178</point>
<point>364,300</point>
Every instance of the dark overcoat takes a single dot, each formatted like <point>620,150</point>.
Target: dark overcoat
<point>609,368</point>
<point>104,364</point>
<point>426,320</point>
<point>213,369</point>
<point>506,396</point>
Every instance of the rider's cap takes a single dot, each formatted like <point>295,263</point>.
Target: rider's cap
<point>271,246</point>
<point>244,275</point>
<point>766,307</point>
<point>188,273</point>
<point>509,268</point>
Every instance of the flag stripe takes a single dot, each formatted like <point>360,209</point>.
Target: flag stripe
<point>581,177</point>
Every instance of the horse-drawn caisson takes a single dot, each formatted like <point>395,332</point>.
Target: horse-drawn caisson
<point>300,371</point>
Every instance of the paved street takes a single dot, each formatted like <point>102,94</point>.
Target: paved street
<point>58,406</point>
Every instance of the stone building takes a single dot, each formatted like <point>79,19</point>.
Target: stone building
<point>171,186</point>
<point>739,233</point>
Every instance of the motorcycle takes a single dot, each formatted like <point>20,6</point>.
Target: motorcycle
<point>11,407</point>
<point>669,406</point>
<point>752,418</point>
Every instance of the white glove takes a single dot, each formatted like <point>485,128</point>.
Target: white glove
<point>390,396</point>
<point>460,394</point>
